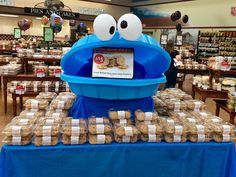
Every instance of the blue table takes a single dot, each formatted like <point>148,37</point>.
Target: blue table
<point>120,160</point>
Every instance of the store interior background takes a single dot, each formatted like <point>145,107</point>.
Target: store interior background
<point>210,15</point>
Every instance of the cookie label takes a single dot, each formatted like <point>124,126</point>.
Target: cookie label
<point>74,140</point>
<point>47,130</point>
<point>197,106</point>
<point>225,137</point>
<point>128,131</point>
<point>99,120</point>
<point>56,114</point>
<point>101,139</point>
<point>200,129</point>
<point>226,129</point>
<point>75,122</point>
<point>151,129</point>
<point>148,115</point>
<point>178,130</point>
<point>123,121</point>
<point>16,140</point>
<point>75,131</point>
<point>126,139</point>
<point>176,138</point>
<point>49,121</point>
<point>34,110</point>
<point>24,121</point>
<point>58,110</point>
<point>191,120</point>
<point>201,137</point>
<point>215,120</point>
<point>203,114</point>
<point>177,106</point>
<point>121,114</point>
<point>35,87</point>
<point>147,122</point>
<point>61,104</point>
<point>152,138</point>
<point>46,140</point>
<point>30,115</point>
<point>181,114</point>
<point>34,104</point>
<point>100,128</point>
<point>16,131</point>
<point>170,121</point>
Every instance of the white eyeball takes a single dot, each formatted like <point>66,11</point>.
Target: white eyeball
<point>130,27</point>
<point>104,27</point>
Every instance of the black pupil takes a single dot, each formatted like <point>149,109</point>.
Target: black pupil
<point>112,30</point>
<point>123,24</point>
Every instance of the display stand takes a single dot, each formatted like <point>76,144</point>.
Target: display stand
<point>204,94</point>
<point>23,77</point>
<point>222,104</point>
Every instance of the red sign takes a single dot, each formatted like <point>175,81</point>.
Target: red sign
<point>233,11</point>
<point>99,59</point>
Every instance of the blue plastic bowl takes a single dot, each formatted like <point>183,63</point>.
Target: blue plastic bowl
<point>113,89</point>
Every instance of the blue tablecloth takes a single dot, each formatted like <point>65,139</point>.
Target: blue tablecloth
<point>120,160</point>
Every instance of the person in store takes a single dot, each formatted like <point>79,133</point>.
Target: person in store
<point>171,73</point>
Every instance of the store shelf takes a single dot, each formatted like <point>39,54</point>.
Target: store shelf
<point>192,71</point>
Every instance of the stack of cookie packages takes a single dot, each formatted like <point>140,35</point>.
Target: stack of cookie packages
<point>175,133</point>
<point>147,124</point>
<point>121,117</point>
<point>100,130</point>
<point>74,131</point>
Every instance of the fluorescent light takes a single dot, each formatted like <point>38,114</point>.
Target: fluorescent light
<point>108,0</point>
<point>8,15</point>
<point>38,18</point>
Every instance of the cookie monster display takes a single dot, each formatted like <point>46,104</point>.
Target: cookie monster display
<point>95,96</point>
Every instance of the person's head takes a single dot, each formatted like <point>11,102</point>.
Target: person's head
<point>170,47</point>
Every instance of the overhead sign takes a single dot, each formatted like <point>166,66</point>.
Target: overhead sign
<point>91,11</point>
<point>7,2</point>
<point>48,12</point>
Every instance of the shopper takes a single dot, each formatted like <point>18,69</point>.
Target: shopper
<point>171,74</point>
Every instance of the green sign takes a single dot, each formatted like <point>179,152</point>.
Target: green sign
<point>48,34</point>
<point>17,33</point>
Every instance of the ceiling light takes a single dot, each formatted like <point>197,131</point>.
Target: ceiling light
<point>108,0</point>
<point>38,18</point>
<point>8,15</point>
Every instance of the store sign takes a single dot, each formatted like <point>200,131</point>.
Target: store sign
<point>48,12</point>
<point>91,11</point>
<point>233,11</point>
<point>113,63</point>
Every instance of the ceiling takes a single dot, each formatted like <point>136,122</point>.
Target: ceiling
<point>132,3</point>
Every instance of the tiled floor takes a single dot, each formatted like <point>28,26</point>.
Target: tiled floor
<point>4,119</point>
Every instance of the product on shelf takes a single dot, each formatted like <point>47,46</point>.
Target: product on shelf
<point>45,140</point>
<point>100,139</point>
<point>36,104</point>
<point>81,139</point>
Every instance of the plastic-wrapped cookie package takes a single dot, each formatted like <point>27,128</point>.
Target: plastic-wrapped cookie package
<point>47,86</point>
<point>80,139</point>
<point>175,104</point>
<point>56,113</point>
<point>73,130</point>
<point>69,121</point>
<point>19,120</point>
<point>46,95</point>
<point>172,138</point>
<point>17,140</point>
<point>199,137</point>
<point>49,121</point>
<point>121,114</point>
<point>164,121</point>
<point>36,104</point>
<point>100,139</point>
<point>213,120</point>
<point>17,130</point>
<point>153,129</point>
<point>98,120</point>
<point>66,96</point>
<point>122,122</point>
<point>195,105</point>
<point>36,86</point>
<point>126,130</point>
<point>223,128</point>
<point>176,129</point>
<point>201,115</point>
<point>95,129</point>
<point>61,104</point>
<point>145,116</point>
<point>45,140</point>
<point>126,139</point>
<point>151,138</point>
<point>223,137</point>
<point>47,130</point>
<point>28,114</point>
<point>158,103</point>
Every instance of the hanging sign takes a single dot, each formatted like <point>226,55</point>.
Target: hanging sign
<point>17,33</point>
<point>179,40</point>
<point>48,12</point>
<point>164,38</point>
<point>48,34</point>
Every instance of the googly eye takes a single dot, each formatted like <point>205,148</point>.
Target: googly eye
<point>130,27</point>
<point>104,27</point>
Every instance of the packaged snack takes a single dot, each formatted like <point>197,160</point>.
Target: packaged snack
<point>47,130</point>
<point>100,139</point>
<point>74,122</point>
<point>199,137</point>
<point>126,139</point>
<point>195,105</point>
<point>36,104</point>
<point>171,138</point>
<point>46,86</point>
<point>150,138</point>
<point>213,119</point>
<point>49,120</point>
<point>126,130</point>
<point>223,137</point>
<point>176,129</point>
<point>61,104</point>
<point>73,130</point>
<point>99,129</point>
<point>17,130</point>
<point>114,115</point>
<point>46,95</point>
<point>159,103</point>
<point>223,128</point>
<point>142,116</point>
<point>98,120</point>
<point>195,129</point>
<point>17,140</point>
<point>81,139</point>
<point>28,114</point>
<point>18,120</point>
<point>52,113</point>
<point>149,129</point>
<point>122,122</point>
<point>201,115</point>
<point>45,140</point>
